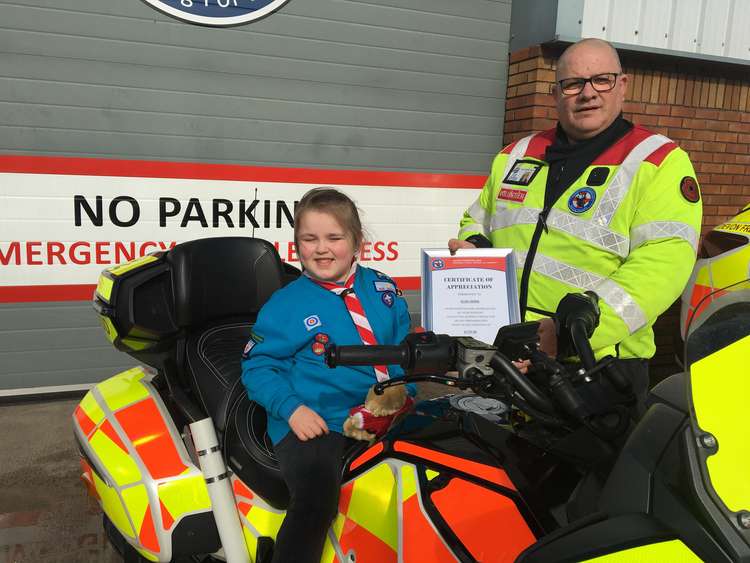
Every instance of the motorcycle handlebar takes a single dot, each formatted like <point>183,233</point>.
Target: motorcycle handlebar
<point>367,355</point>
<point>579,336</point>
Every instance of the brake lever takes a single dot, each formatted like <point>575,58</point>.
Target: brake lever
<point>379,388</point>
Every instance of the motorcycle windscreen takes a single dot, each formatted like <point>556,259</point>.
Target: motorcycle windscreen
<point>717,356</point>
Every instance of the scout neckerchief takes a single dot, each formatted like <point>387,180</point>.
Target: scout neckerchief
<point>356,312</point>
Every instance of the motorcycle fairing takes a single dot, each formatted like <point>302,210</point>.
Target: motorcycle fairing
<point>397,510</point>
<point>135,461</point>
<point>718,447</point>
<point>673,551</point>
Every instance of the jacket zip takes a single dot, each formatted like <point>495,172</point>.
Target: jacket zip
<point>541,225</point>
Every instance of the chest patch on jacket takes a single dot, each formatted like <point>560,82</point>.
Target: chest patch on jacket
<point>509,194</point>
<point>582,200</point>
<point>522,173</point>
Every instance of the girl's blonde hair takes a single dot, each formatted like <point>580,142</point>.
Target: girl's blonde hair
<point>336,204</point>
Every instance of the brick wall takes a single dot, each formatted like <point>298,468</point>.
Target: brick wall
<point>703,107</point>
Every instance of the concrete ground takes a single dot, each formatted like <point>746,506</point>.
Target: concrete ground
<point>45,513</point>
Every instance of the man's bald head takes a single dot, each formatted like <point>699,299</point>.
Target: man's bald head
<point>584,48</point>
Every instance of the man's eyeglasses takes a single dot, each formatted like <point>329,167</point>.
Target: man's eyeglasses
<point>601,83</point>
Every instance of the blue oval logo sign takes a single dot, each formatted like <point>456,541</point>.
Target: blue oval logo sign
<point>217,13</point>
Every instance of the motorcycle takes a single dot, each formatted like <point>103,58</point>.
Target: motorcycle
<point>546,466</point>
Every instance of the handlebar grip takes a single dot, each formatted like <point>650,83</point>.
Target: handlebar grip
<point>366,355</point>
<point>525,387</point>
<point>580,338</point>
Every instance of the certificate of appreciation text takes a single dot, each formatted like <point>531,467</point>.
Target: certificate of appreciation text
<point>472,293</point>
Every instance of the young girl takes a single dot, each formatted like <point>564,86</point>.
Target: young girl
<point>284,367</point>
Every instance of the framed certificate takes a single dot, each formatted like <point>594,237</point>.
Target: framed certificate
<point>471,293</point>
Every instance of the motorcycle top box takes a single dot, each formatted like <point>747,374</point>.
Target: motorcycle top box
<point>525,468</point>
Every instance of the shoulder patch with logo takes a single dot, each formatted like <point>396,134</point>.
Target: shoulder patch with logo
<point>582,200</point>
<point>689,189</point>
<point>311,322</point>
<point>522,172</point>
<point>384,286</point>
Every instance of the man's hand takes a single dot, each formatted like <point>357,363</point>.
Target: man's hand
<point>307,424</point>
<point>454,244</point>
<point>522,365</point>
<point>547,337</point>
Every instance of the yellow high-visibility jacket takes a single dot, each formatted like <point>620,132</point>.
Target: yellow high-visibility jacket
<point>626,229</point>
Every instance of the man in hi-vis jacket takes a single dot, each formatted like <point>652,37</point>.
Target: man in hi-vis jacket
<point>596,204</point>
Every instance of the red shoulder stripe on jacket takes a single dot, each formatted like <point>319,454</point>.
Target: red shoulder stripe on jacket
<point>658,156</point>
<point>508,148</point>
<point>538,145</point>
<point>615,154</point>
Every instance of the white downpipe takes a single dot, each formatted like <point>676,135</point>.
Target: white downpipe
<point>220,491</point>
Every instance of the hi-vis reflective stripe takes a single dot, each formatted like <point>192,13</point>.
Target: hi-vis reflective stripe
<point>663,229</point>
<point>476,211</point>
<point>481,218</point>
<point>584,229</point>
<point>610,292</point>
<point>517,152</point>
<point>622,303</point>
<point>623,178</point>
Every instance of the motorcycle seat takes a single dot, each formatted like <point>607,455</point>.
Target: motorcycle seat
<point>219,285</point>
<point>249,452</point>
<point>213,361</point>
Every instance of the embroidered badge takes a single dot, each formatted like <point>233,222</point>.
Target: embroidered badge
<point>689,189</point>
<point>388,298</point>
<point>312,321</point>
<point>322,337</point>
<point>522,173</point>
<point>509,194</point>
<point>318,348</point>
<point>582,200</point>
<point>384,286</point>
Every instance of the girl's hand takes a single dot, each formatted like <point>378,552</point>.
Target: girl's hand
<point>307,424</point>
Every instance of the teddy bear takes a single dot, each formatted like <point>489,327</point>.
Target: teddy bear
<point>373,419</point>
